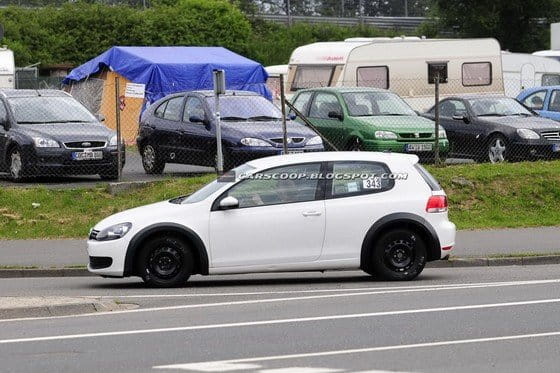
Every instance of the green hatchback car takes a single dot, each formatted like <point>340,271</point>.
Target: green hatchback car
<point>369,119</point>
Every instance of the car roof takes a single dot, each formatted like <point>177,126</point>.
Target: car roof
<point>288,159</point>
<point>468,96</point>
<point>33,93</point>
<point>210,93</point>
<point>528,91</point>
<point>344,89</point>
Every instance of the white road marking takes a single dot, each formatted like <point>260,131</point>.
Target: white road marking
<point>279,321</point>
<point>300,370</point>
<point>460,285</point>
<point>290,299</point>
<point>218,367</point>
<point>373,349</point>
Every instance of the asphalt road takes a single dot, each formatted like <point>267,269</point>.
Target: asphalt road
<point>498,319</point>
<point>47,253</point>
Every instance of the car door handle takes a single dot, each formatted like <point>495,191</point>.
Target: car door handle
<point>311,213</point>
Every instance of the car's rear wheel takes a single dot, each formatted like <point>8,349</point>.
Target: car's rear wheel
<point>355,145</point>
<point>17,165</point>
<point>152,160</point>
<point>165,261</point>
<point>398,255</point>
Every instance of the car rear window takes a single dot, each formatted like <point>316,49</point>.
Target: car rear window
<point>428,178</point>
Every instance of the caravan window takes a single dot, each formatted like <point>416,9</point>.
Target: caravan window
<point>434,68</point>
<point>312,77</point>
<point>373,76</point>
<point>551,79</point>
<point>477,74</point>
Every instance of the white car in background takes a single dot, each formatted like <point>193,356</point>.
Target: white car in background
<point>379,212</point>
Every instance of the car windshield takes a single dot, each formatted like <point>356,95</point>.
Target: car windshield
<point>41,109</point>
<point>497,107</point>
<point>238,108</point>
<point>369,104</point>
<point>214,186</point>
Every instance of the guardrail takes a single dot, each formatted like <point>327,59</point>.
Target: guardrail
<point>404,23</point>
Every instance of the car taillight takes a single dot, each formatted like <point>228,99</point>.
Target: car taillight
<point>437,204</point>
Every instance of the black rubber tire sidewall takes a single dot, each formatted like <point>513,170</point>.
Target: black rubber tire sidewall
<point>381,270</point>
<point>187,267</point>
<point>158,166</point>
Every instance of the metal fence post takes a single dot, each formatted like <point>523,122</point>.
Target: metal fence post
<point>118,124</point>
<point>219,88</point>
<point>283,104</point>
<point>436,113</point>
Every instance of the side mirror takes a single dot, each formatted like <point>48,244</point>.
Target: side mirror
<point>229,203</point>
<point>336,115</point>
<point>197,119</point>
<point>100,117</point>
<point>292,116</point>
<point>464,118</point>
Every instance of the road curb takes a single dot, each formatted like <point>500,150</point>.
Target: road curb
<point>451,263</point>
<point>52,310</point>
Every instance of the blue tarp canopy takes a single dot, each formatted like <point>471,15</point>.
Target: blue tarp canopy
<point>166,70</point>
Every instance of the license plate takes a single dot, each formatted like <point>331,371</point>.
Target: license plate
<point>556,148</point>
<point>87,155</point>
<point>292,151</point>
<point>419,147</point>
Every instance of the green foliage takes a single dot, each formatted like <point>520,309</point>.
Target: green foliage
<point>519,25</point>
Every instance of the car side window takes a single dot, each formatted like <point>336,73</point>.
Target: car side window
<point>302,102</point>
<point>535,100</point>
<point>173,109</point>
<point>281,185</point>
<point>351,178</point>
<point>451,108</point>
<point>3,113</point>
<point>160,110</point>
<point>193,108</point>
<point>554,104</point>
<point>323,104</point>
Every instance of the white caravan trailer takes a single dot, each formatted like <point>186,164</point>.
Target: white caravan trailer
<point>523,70</point>
<point>405,65</point>
<point>7,68</point>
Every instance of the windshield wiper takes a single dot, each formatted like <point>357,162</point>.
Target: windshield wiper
<point>390,115</point>
<point>233,118</point>
<point>522,114</point>
<point>53,121</point>
<point>491,115</point>
<point>263,117</point>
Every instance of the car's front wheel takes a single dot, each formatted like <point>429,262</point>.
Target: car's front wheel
<point>165,261</point>
<point>17,165</point>
<point>152,160</point>
<point>398,255</point>
<point>497,149</point>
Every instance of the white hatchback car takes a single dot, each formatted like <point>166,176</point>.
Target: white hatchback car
<point>379,212</point>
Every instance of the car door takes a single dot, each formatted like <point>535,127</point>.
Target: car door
<point>553,111</point>
<point>280,219</point>
<point>4,121</point>
<point>322,106</point>
<point>451,114</point>
<point>167,121</point>
<point>536,102</point>
<point>356,197</point>
<point>197,140</point>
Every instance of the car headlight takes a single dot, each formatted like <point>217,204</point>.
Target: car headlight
<point>251,141</point>
<point>385,135</point>
<point>114,232</point>
<point>442,134</point>
<point>527,134</point>
<point>317,140</point>
<point>113,141</point>
<point>42,142</point>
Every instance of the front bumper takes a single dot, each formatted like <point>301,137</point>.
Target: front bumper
<point>395,146</point>
<point>58,161</point>
<point>115,250</point>
<point>244,154</point>
<point>526,149</point>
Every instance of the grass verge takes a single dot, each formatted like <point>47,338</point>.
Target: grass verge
<point>481,196</point>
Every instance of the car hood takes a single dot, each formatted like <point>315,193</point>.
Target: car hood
<point>397,123</point>
<point>534,123</point>
<point>265,129</point>
<point>68,131</point>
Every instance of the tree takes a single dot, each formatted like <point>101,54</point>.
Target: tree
<point>519,25</point>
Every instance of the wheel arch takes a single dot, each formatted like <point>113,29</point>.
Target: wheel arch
<point>200,253</point>
<point>401,220</point>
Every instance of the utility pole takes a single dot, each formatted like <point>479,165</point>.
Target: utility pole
<point>289,12</point>
<point>406,8</point>
<point>361,11</point>
<point>342,8</point>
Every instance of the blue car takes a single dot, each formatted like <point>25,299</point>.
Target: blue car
<point>543,100</point>
<point>181,128</point>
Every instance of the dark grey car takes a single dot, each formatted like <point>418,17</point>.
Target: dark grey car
<point>49,133</point>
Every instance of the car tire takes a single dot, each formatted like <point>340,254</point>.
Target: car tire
<point>497,149</point>
<point>398,255</point>
<point>151,160</point>
<point>165,261</point>
<point>16,165</point>
<point>355,145</point>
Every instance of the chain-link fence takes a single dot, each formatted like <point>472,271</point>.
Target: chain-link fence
<point>92,127</point>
